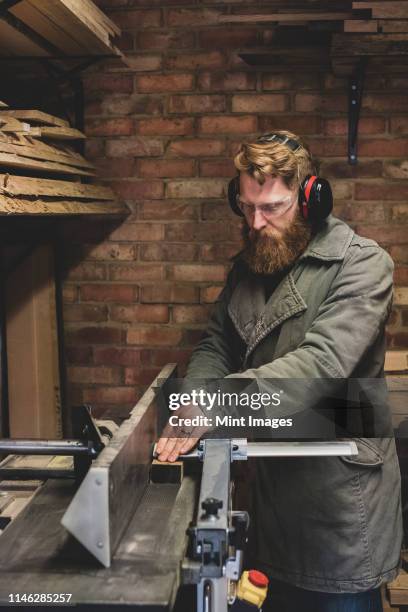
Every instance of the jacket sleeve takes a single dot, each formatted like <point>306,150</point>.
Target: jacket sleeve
<point>347,324</point>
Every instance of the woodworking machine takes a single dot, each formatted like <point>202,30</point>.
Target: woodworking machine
<point>109,535</point>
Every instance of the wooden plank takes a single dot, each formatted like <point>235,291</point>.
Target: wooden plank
<point>396,361</point>
<point>93,18</point>
<point>25,145</point>
<point>360,25</point>
<point>401,296</point>
<point>29,153</point>
<point>21,185</point>
<point>35,116</point>
<point>12,124</point>
<point>60,133</point>
<point>32,349</point>
<point>16,161</point>
<point>30,15</point>
<point>398,589</point>
<point>391,25</point>
<point>369,44</point>
<point>287,17</point>
<point>14,43</point>
<point>3,104</point>
<point>18,206</point>
<point>384,10</point>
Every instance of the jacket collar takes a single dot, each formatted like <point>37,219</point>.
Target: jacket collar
<point>254,318</point>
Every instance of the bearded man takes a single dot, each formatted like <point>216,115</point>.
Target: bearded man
<point>307,298</point>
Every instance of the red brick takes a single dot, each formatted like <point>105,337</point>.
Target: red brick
<point>168,252</point>
<point>401,275</point>
<point>196,147</point>
<point>164,83</point>
<point>192,337</point>
<point>94,148</point>
<point>399,214</point>
<point>222,167</point>
<point>192,61</point>
<point>136,62</point>
<point>143,232</point>
<point>70,293</point>
<point>138,19</point>
<point>228,125</point>
<point>197,16</point>
<point>276,81</point>
<point>136,272</point>
<point>125,41</point>
<point>166,127</point>
<point>138,376</point>
<point>195,188</point>
<point>190,314</point>
<point>135,147</point>
<point>109,251</point>
<point>259,103</point>
<point>316,102</point>
<point>226,81</point>
<point>119,126</point>
<point>384,102</point>
<point>358,212</point>
<point>235,37</point>
<point>135,190</point>
<point>135,104</point>
<point>208,295</point>
<point>203,231</point>
<point>399,125</point>
<point>161,357</point>
<point>305,124</point>
<point>111,395</point>
<point>140,313</point>
<point>384,234</point>
<point>171,293</point>
<point>154,336</point>
<point>396,169</point>
<point>85,312</point>
<point>399,253</point>
<point>168,210</point>
<point>380,191</point>
<point>78,374</point>
<point>329,147</point>
<point>399,340</point>
<point>87,271</point>
<point>108,293</point>
<point>366,125</point>
<point>166,40</point>
<point>94,335</point>
<point>392,147</point>
<point>199,273</point>
<point>217,209</point>
<point>342,169</point>
<point>115,168</point>
<point>78,354</point>
<point>197,104</point>
<point>117,356</point>
<point>335,82</point>
<point>101,83</point>
<point>219,252</point>
<point>165,168</point>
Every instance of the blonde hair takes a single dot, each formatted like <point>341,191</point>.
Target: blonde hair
<point>273,158</point>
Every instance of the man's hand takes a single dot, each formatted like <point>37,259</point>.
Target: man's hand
<point>179,440</point>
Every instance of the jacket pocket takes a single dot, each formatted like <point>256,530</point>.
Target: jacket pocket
<point>370,455</point>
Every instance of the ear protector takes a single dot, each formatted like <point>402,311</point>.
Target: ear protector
<point>315,194</point>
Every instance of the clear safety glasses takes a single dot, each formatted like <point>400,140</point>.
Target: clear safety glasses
<point>269,211</point>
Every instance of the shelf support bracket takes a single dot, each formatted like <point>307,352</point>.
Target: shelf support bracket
<point>355,94</point>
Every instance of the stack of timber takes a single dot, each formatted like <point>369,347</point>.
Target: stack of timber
<point>341,34</point>
<point>56,28</point>
<point>40,174</point>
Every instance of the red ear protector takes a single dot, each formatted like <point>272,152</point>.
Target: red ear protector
<point>315,194</point>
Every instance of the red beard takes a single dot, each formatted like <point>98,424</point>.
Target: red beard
<point>267,254</point>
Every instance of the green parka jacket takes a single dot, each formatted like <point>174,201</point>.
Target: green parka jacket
<point>322,523</point>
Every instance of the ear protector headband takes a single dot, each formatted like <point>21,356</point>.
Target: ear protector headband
<point>315,194</point>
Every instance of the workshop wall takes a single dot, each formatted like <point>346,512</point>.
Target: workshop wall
<point>162,132</point>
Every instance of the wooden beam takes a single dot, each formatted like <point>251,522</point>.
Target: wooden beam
<point>3,104</point>
<point>35,116</point>
<point>369,44</point>
<point>17,206</point>
<point>21,185</point>
<point>35,149</point>
<point>17,161</point>
<point>384,10</point>
<point>393,25</point>
<point>61,133</point>
<point>278,17</point>
<point>396,361</point>
<point>360,25</point>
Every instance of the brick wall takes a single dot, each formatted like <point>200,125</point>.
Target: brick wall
<point>162,132</point>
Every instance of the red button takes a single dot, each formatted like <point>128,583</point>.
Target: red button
<point>258,578</point>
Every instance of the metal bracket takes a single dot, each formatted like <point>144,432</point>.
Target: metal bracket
<point>356,83</point>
